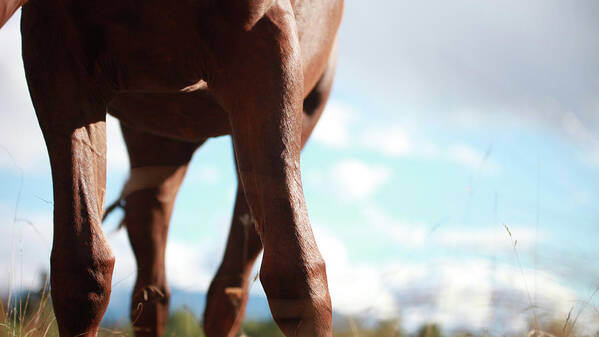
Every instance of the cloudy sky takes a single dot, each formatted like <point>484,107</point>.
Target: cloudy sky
<point>450,124</point>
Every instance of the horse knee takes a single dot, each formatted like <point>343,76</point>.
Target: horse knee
<point>298,297</point>
<point>294,277</point>
<point>80,290</point>
<point>90,266</point>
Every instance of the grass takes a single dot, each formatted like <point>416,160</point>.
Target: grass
<point>31,316</point>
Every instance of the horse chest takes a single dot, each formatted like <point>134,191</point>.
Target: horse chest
<point>127,45</point>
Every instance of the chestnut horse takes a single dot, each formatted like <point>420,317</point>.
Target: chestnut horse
<point>176,73</point>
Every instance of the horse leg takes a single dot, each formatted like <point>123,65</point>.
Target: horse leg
<point>158,166</point>
<point>81,260</point>
<point>264,101</point>
<point>72,115</point>
<point>228,293</point>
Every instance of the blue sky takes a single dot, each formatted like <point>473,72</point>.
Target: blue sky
<point>448,123</point>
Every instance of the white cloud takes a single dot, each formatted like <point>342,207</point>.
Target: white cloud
<point>357,180</point>
<point>472,293</point>
<point>472,158</point>
<point>333,128</point>
<point>395,140</point>
<point>466,293</point>
<point>479,295</point>
<point>392,141</point>
<point>404,233</point>
<point>191,267</point>
<point>488,239</point>
<point>585,137</point>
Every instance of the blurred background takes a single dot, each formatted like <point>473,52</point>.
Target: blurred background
<point>453,178</point>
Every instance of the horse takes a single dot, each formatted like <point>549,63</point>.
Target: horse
<point>176,74</point>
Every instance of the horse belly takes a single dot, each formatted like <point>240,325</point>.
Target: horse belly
<point>191,117</point>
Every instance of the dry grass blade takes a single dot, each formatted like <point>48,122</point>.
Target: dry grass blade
<point>567,321</point>
<point>48,327</point>
<point>531,304</point>
<point>508,230</point>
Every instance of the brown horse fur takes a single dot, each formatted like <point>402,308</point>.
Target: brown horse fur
<point>148,199</point>
<point>8,8</point>
<point>176,74</point>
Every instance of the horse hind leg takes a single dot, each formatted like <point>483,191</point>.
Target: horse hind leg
<point>158,166</point>
<point>228,293</point>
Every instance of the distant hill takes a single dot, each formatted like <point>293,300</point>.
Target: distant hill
<point>118,310</point>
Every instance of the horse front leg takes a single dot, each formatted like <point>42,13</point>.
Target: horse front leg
<point>81,260</point>
<point>229,290</point>
<point>264,100</point>
<point>71,110</point>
